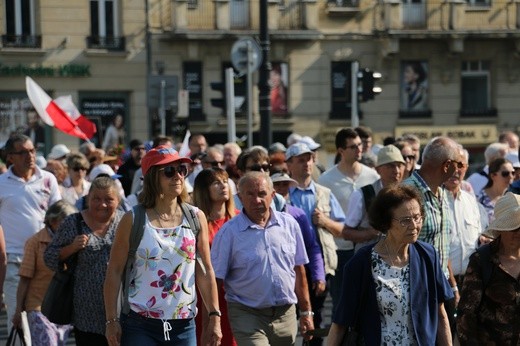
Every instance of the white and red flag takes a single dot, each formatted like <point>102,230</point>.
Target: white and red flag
<point>60,113</point>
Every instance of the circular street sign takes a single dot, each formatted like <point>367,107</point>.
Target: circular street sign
<point>239,54</point>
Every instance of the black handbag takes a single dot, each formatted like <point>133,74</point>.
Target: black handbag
<point>57,304</point>
<point>15,337</point>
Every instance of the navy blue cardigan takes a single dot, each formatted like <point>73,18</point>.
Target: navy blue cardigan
<point>428,288</point>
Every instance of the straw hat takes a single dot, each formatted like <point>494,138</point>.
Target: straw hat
<point>507,214</point>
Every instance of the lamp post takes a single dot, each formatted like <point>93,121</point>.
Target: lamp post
<point>266,135</point>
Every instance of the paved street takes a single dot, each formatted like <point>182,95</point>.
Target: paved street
<point>3,321</point>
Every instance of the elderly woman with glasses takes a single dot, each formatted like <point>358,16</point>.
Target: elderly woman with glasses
<point>500,176</point>
<point>172,260</point>
<point>394,290</point>
<point>489,307</point>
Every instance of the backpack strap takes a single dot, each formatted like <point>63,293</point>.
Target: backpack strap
<point>136,234</point>
<point>369,193</point>
<point>194,222</point>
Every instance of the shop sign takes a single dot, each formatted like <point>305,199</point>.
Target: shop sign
<point>68,70</point>
<point>462,134</point>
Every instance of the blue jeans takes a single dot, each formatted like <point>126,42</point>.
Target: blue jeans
<point>138,330</point>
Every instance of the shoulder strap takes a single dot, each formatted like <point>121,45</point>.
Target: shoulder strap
<point>369,193</point>
<point>136,234</point>
<point>483,173</point>
<point>194,222</point>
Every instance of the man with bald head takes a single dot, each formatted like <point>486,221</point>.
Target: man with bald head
<point>260,257</point>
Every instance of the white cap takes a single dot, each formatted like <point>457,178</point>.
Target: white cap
<point>310,143</point>
<point>103,169</point>
<point>58,151</point>
<point>41,162</point>
<point>514,159</point>
<point>297,149</point>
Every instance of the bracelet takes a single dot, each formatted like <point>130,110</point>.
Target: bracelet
<point>215,313</point>
<point>113,320</point>
<point>306,313</point>
<point>455,289</point>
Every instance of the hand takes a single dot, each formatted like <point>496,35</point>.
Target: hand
<point>80,242</point>
<point>319,288</point>
<point>319,218</point>
<point>214,333</point>
<point>306,324</point>
<point>113,333</point>
<point>457,298</point>
<point>484,240</point>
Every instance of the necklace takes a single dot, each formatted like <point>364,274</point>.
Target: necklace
<point>388,253</point>
<point>162,217</point>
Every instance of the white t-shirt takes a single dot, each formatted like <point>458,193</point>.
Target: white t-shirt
<point>23,206</point>
<point>342,187</point>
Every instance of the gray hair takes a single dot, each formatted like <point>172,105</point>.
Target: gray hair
<point>58,211</point>
<point>440,149</point>
<point>495,151</point>
<point>252,176</point>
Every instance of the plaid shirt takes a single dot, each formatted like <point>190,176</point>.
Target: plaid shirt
<point>437,223</point>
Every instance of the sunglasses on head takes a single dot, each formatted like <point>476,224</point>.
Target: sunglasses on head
<point>506,174</point>
<point>169,171</point>
<point>259,168</point>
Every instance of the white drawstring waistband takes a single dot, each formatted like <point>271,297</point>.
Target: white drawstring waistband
<point>166,328</point>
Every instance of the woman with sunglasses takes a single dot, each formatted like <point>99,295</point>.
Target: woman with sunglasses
<point>212,194</point>
<point>394,291</point>
<point>500,176</point>
<point>162,295</point>
<point>75,185</point>
<point>408,156</point>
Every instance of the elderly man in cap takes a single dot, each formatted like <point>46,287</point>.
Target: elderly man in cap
<point>390,167</point>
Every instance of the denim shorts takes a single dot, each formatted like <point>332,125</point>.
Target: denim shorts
<point>138,330</point>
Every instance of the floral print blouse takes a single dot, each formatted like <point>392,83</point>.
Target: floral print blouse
<point>393,299</point>
<point>162,283</point>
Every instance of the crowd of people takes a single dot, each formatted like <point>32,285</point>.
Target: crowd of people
<point>241,246</point>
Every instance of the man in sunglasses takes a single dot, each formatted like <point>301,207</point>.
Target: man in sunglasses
<point>26,192</point>
<point>214,158</point>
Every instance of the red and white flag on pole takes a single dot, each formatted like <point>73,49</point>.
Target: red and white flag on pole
<point>61,114</point>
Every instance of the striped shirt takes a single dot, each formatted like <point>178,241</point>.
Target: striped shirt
<point>436,224</point>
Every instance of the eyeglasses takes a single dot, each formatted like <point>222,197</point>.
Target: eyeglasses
<point>169,171</point>
<point>139,148</point>
<point>24,152</point>
<point>506,174</point>
<point>259,168</point>
<point>354,146</point>
<point>409,157</point>
<point>215,163</point>
<point>407,221</point>
<point>460,165</point>
<point>77,169</point>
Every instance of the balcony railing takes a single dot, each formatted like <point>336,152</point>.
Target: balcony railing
<point>414,16</point>
<point>21,41</point>
<point>106,42</point>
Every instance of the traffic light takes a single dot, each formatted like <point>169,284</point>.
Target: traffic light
<point>219,102</point>
<point>367,89</point>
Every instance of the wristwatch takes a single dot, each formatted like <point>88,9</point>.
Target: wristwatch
<point>215,313</point>
<point>306,313</point>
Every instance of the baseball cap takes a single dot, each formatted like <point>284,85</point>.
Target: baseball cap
<point>103,169</point>
<point>277,147</point>
<point>310,143</point>
<point>514,159</point>
<point>282,176</point>
<point>160,156</point>
<point>297,149</point>
<point>58,151</point>
<point>388,154</point>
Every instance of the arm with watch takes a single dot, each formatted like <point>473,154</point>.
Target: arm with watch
<point>304,304</point>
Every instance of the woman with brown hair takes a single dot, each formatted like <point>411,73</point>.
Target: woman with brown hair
<point>500,176</point>
<point>212,195</point>
<point>164,277</point>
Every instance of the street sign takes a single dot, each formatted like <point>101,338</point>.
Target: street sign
<point>239,55</point>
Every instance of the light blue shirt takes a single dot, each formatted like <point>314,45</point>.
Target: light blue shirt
<point>256,263</point>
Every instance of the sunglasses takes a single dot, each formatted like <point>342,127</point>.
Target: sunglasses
<point>169,172</point>
<point>409,157</point>
<point>259,168</point>
<point>77,169</point>
<point>506,174</point>
<point>215,163</point>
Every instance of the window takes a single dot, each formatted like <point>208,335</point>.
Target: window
<point>340,89</point>
<point>104,28</point>
<point>481,3</point>
<point>476,94</point>
<point>19,15</point>
<point>343,3</point>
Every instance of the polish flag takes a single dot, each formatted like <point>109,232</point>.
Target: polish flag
<point>53,115</point>
<point>66,104</point>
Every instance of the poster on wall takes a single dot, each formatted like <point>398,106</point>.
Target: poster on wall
<point>278,81</point>
<point>18,115</point>
<point>414,86</point>
<point>340,89</point>
<point>192,82</point>
<point>109,115</point>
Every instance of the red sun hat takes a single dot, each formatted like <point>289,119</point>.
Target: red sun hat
<point>161,155</point>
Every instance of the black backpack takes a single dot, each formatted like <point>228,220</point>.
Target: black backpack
<point>136,234</point>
